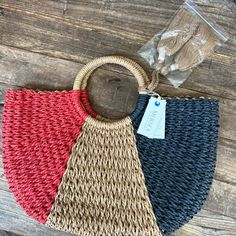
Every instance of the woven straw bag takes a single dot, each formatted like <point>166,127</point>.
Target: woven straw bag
<point>75,172</point>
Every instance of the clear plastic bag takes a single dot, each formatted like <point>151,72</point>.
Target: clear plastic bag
<point>188,40</point>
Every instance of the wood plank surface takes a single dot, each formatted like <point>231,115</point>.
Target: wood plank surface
<point>72,39</point>
<point>14,219</point>
<point>5,233</point>
<point>30,70</point>
<point>128,19</point>
<point>42,48</point>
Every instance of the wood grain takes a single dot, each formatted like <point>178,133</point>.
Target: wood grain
<point>226,161</point>
<point>22,69</point>
<point>5,233</point>
<point>221,197</point>
<point>42,48</point>
<point>208,223</point>
<point>123,18</point>
<point>73,38</point>
<point>15,220</point>
<point>31,70</point>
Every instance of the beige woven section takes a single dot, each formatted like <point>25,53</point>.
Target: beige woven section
<point>103,190</point>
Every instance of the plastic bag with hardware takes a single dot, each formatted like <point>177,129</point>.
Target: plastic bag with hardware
<point>187,41</point>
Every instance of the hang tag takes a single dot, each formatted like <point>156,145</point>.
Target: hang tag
<point>153,121</point>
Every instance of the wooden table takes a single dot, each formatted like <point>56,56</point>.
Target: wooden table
<point>42,47</point>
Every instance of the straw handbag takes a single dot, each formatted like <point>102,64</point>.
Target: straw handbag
<point>75,172</point>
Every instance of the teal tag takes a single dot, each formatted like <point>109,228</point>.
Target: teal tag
<point>153,121</point>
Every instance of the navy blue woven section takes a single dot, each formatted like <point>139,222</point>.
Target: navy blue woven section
<point>179,169</point>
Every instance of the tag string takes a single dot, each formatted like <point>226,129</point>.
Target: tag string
<point>150,93</point>
<point>155,81</point>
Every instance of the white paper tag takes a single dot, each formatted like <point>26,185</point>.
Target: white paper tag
<point>153,121</point>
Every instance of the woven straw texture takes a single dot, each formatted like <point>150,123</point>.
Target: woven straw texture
<point>179,169</point>
<point>73,171</point>
<point>84,176</point>
<point>39,130</point>
<point>104,180</point>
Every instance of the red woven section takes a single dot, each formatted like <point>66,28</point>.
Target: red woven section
<point>39,131</point>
